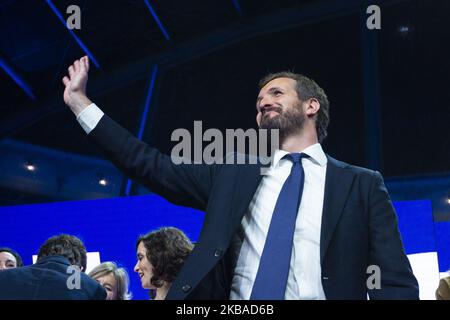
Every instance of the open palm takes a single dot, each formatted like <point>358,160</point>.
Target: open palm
<point>75,83</point>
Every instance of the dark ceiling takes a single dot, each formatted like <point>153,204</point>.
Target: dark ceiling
<point>210,60</point>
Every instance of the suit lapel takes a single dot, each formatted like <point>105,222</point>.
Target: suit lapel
<point>248,179</point>
<point>338,182</point>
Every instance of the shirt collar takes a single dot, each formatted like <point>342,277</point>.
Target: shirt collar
<point>314,152</point>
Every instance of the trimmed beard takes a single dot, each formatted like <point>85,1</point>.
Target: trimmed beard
<point>288,122</point>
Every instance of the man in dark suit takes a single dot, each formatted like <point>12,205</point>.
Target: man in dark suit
<point>311,228</point>
<point>57,275</point>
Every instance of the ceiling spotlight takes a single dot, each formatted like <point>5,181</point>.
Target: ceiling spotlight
<point>448,199</point>
<point>102,182</point>
<point>30,167</point>
<point>404,30</point>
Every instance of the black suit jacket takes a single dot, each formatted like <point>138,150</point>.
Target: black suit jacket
<point>47,280</point>
<point>359,224</point>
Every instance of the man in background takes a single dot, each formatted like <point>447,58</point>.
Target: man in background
<point>57,275</point>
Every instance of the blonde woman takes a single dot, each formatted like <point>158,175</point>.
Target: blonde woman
<point>115,280</point>
<point>443,290</point>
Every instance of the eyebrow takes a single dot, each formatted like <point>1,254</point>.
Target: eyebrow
<point>271,90</point>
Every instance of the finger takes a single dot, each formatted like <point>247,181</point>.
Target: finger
<point>86,61</point>
<point>76,66</point>
<point>71,72</point>
<point>66,81</point>
<point>83,65</point>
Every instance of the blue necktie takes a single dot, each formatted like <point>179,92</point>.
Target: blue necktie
<point>273,271</point>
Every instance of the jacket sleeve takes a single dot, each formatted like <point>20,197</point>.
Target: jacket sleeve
<point>183,184</point>
<point>100,294</point>
<point>397,280</point>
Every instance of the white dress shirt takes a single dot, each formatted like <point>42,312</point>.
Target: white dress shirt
<point>304,280</point>
<point>90,117</point>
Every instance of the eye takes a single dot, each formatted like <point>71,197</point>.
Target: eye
<point>277,93</point>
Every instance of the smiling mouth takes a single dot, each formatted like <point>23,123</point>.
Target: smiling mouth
<point>271,113</point>
<point>276,109</point>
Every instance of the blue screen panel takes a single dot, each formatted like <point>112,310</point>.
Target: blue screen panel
<point>415,220</point>
<point>110,226</point>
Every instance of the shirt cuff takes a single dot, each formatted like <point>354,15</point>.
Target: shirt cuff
<point>90,117</point>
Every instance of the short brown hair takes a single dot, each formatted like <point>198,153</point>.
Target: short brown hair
<point>306,89</point>
<point>167,249</point>
<point>67,246</point>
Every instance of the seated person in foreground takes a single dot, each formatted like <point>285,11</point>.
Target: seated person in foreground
<point>57,275</point>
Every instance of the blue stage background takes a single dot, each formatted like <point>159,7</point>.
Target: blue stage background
<point>111,227</point>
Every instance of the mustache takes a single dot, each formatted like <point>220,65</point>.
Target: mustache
<point>272,108</point>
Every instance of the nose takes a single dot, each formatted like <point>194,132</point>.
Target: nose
<point>265,103</point>
<point>136,267</point>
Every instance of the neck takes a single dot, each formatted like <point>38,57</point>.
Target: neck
<point>299,141</point>
<point>161,293</point>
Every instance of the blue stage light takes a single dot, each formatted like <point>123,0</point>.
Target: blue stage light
<point>158,22</point>
<point>78,40</point>
<point>20,82</point>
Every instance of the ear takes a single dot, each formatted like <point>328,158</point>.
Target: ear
<point>312,107</point>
